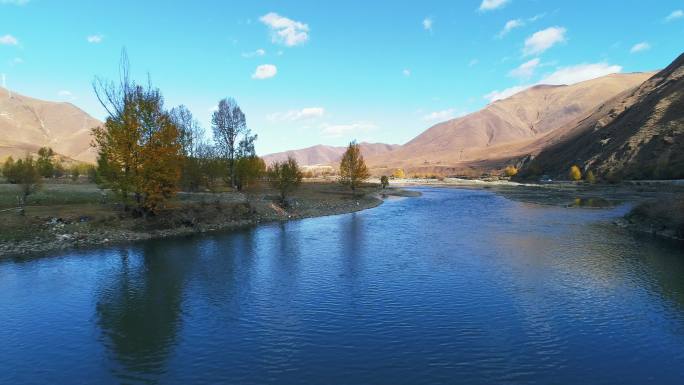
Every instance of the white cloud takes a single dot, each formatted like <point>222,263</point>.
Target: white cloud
<point>14,2</point>
<point>285,31</point>
<point>8,40</point>
<point>427,24</point>
<point>340,130</point>
<point>676,14</point>
<point>488,5</point>
<point>640,47</point>
<point>95,39</point>
<point>503,94</point>
<point>265,71</point>
<point>440,116</point>
<point>579,73</point>
<point>297,115</point>
<point>525,70</point>
<point>16,61</point>
<point>509,26</point>
<point>65,94</point>
<point>563,75</point>
<point>406,72</point>
<point>536,17</point>
<point>258,52</point>
<point>542,40</point>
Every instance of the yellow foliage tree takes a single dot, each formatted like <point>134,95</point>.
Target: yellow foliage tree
<point>353,170</point>
<point>398,174</point>
<point>575,173</point>
<point>510,171</point>
<point>138,145</point>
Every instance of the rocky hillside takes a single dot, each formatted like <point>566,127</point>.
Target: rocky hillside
<point>26,124</point>
<point>639,134</point>
<point>509,126</point>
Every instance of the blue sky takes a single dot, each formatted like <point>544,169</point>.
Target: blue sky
<point>309,72</point>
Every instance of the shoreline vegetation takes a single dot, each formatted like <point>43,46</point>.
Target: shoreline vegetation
<point>73,216</point>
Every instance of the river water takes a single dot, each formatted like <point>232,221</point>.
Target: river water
<point>456,286</point>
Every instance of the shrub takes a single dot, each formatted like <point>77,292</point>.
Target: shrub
<point>575,173</point>
<point>398,174</point>
<point>510,171</point>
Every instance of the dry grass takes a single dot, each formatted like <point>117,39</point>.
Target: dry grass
<point>79,208</point>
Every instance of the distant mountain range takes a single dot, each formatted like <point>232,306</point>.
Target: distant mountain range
<point>26,124</point>
<point>327,155</point>
<point>505,128</point>
<point>626,125</point>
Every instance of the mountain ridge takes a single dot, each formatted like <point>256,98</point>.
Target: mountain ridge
<point>27,123</point>
<point>639,134</point>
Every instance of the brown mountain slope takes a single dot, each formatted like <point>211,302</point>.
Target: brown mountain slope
<point>26,124</point>
<point>505,127</point>
<point>636,135</point>
<point>327,155</point>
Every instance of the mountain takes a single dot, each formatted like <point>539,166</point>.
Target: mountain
<point>327,155</point>
<point>26,124</point>
<point>638,134</point>
<point>505,128</point>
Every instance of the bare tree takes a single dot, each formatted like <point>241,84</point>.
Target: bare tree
<point>190,132</point>
<point>229,123</point>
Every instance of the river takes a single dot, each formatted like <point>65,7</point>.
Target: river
<point>455,286</point>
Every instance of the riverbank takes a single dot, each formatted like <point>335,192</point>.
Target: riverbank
<point>658,206</point>
<point>64,217</point>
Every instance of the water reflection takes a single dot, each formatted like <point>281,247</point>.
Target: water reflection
<point>139,305</point>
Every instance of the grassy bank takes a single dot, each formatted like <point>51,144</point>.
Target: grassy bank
<point>63,216</point>
<point>664,218</point>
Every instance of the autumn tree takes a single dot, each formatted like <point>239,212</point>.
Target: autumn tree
<point>285,177</point>
<point>233,138</point>
<point>353,170</point>
<point>398,174</point>
<point>384,181</point>
<point>248,170</point>
<point>575,173</point>
<point>46,168</point>
<point>138,146</point>
<point>510,171</point>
